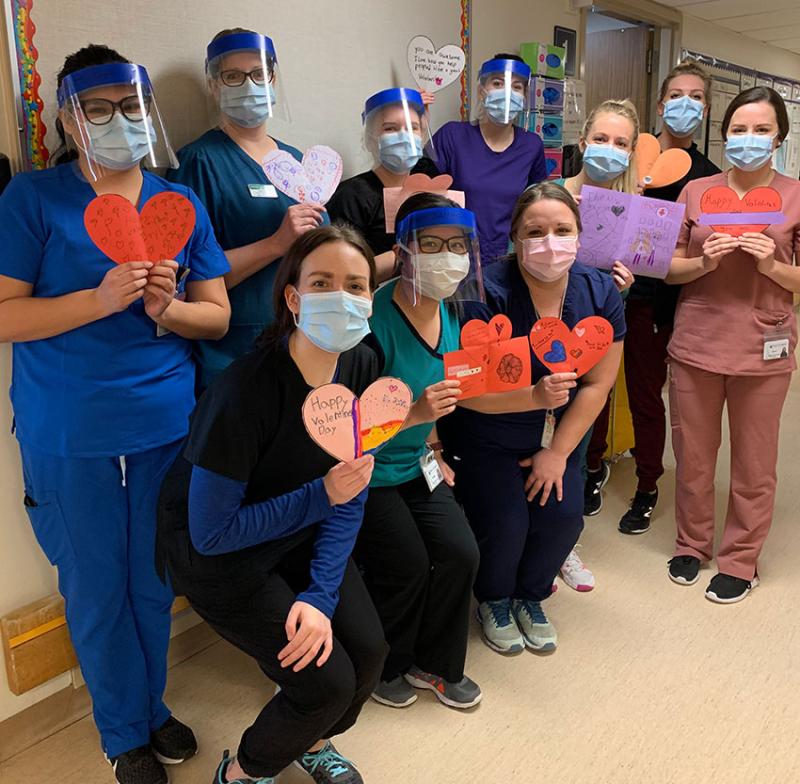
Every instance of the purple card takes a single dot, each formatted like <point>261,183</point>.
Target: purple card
<point>640,232</point>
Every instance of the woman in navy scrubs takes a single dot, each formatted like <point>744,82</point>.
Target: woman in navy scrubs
<point>103,385</point>
<point>254,222</point>
<point>527,509</point>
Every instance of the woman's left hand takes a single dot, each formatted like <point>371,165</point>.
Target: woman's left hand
<point>160,289</point>
<point>761,247</point>
<point>623,277</point>
<point>309,632</point>
<point>447,472</point>
<point>547,472</point>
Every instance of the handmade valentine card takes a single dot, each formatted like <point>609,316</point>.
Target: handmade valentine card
<point>571,351</point>
<point>314,180</point>
<point>725,212</point>
<point>638,231</point>
<point>159,232</point>
<point>417,183</point>
<point>657,169</point>
<point>346,426</point>
<point>434,69</point>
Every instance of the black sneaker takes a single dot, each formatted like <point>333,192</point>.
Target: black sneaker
<point>173,743</point>
<point>327,766</point>
<point>684,569</point>
<point>221,774</point>
<point>592,495</point>
<point>637,519</point>
<point>726,589</point>
<point>138,766</point>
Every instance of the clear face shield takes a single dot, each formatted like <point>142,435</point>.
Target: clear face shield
<point>396,130</point>
<point>244,81</point>
<point>439,255</point>
<point>110,113</point>
<point>504,92</point>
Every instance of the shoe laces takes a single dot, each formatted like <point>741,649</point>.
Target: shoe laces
<point>574,562</point>
<point>327,759</point>
<point>501,612</point>
<point>642,503</point>
<point>534,611</point>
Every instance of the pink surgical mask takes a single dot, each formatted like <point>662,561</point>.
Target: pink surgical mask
<point>548,258</point>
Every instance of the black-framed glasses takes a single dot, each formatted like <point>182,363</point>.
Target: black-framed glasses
<point>429,243</point>
<point>236,78</point>
<point>100,111</point>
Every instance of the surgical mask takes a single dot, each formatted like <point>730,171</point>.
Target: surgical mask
<point>604,163</point>
<point>749,151</point>
<point>120,144</point>
<point>335,321</point>
<point>248,104</point>
<point>683,116</point>
<point>548,258</point>
<point>496,103</point>
<point>439,274</point>
<point>399,151</point>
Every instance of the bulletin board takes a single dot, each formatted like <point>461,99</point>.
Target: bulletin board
<point>333,55</point>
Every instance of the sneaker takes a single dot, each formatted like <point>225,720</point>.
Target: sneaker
<point>327,766</point>
<point>684,569</point>
<point>498,627</point>
<point>173,743</point>
<point>395,693</point>
<point>540,635</point>
<point>464,694</point>
<point>637,519</point>
<point>220,777</point>
<point>138,766</point>
<point>726,589</point>
<point>592,490</point>
<point>575,574</point>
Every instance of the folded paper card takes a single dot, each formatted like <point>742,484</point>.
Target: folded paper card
<point>657,169</point>
<point>640,232</point>
<point>314,180</point>
<point>417,183</point>
<point>434,69</point>
<point>348,427</point>
<point>725,212</point>
<point>571,351</point>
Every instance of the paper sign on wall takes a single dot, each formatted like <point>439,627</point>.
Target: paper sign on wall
<point>571,351</point>
<point>725,212</point>
<point>314,180</point>
<point>433,70</point>
<point>640,232</point>
<point>393,198</point>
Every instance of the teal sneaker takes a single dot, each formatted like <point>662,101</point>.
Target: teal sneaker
<point>540,635</point>
<point>498,627</point>
<point>327,766</point>
<point>220,777</point>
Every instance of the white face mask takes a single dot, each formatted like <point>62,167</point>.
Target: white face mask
<point>439,274</point>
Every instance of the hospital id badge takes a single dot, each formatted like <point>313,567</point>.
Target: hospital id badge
<point>776,343</point>
<point>430,470</point>
<point>549,429</point>
<point>261,191</point>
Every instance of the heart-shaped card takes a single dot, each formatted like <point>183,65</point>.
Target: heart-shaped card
<point>725,212</point>
<point>312,180</point>
<point>159,232</point>
<point>393,198</point>
<point>434,69</point>
<point>657,169</point>
<point>571,351</point>
<point>348,427</point>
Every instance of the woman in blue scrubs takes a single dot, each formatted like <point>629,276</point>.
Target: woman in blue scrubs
<point>254,222</point>
<point>103,385</point>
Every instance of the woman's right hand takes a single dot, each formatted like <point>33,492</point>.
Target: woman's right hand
<point>299,219</point>
<point>346,480</point>
<point>553,391</point>
<point>715,247</point>
<point>122,285</point>
<point>308,631</point>
<point>436,401</point>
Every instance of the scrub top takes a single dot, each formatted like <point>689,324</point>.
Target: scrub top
<point>244,207</point>
<point>589,293</point>
<point>492,181</point>
<point>404,354</point>
<point>111,387</point>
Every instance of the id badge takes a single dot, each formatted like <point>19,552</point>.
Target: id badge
<point>776,343</point>
<point>430,470</point>
<point>260,191</point>
<point>549,429</point>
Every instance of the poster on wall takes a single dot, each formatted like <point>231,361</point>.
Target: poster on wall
<point>574,110</point>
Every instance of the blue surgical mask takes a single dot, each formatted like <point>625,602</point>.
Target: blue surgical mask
<point>749,151</point>
<point>503,107</point>
<point>248,104</point>
<point>121,143</point>
<point>335,321</point>
<point>604,163</point>
<point>399,151</point>
<point>683,116</point>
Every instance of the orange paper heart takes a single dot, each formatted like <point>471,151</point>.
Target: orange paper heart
<point>657,169</point>
<point>722,199</point>
<point>417,183</point>
<point>575,351</point>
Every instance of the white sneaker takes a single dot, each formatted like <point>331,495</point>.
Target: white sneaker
<point>575,574</point>
<point>499,628</point>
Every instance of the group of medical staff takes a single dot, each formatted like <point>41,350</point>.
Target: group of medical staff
<point>158,403</point>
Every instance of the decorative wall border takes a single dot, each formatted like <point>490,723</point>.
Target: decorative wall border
<point>466,45</point>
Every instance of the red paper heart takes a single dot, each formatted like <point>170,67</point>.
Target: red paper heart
<point>161,231</point>
<point>721,198</point>
<point>583,347</point>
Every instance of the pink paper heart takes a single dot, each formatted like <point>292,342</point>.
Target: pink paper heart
<point>313,180</point>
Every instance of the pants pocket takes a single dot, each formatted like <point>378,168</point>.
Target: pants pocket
<point>49,526</point>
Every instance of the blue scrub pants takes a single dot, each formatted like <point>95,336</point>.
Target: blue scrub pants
<point>95,519</point>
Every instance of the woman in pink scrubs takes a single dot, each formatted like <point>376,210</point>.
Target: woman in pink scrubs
<point>733,343</point>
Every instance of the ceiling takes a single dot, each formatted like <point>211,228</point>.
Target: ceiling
<point>777,22</point>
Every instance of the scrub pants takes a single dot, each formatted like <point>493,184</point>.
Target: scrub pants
<point>95,519</point>
<point>754,413</point>
<point>522,545</point>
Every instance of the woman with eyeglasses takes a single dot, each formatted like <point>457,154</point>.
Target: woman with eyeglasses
<point>254,222</point>
<point>103,385</point>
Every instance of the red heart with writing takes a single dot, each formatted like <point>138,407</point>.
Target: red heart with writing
<point>575,351</point>
<point>721,198</point>
<point>160,232</point>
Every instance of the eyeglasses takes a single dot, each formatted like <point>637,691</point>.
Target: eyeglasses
<point>236,78</point>
<point>100,111</point>
<point>428,243</point>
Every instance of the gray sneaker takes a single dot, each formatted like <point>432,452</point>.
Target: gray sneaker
<point>540,635</point>
<point>499,629</point>
<point>464,694</point>
<point>395,693</point>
